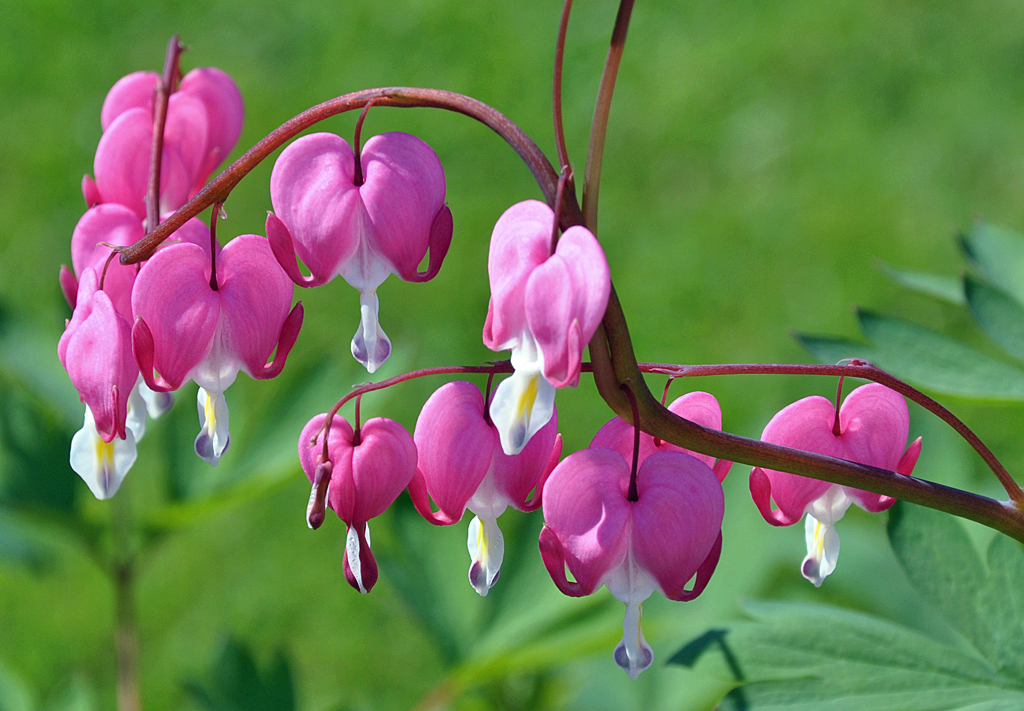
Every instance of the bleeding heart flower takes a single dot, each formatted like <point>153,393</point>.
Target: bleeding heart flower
<point>361,476</point>
<point>699,407</point>
<point>461,465</point>
<point>187,329</point>
<point>873,424</point>
<point>545,307</point>
<point>672,532</point>
<point>204,120</point>
<point>363,232</point>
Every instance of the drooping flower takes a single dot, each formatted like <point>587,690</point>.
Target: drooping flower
<point>361,477</point>
<point>461,465</point>
<point>873,426</point>
<point>186,329</point>
<point>672,532</point>
<point>204,120</point>
<point>545,307</point>
<point>362,232</point>
<point>96,351</point>
<point>699,407</point>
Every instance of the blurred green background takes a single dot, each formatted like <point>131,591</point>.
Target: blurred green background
<point>762,158</point>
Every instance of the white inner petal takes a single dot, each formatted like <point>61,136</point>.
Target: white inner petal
<point>486,549</point>
<point>102,465</point>
<point>352,554</point>
<point>524,402</point>
<point>213,438</point>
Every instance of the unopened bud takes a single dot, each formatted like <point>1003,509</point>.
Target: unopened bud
<point>317,506</point>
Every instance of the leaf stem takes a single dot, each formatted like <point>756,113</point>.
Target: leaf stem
<point>556,98</point>
<point>599,126</point>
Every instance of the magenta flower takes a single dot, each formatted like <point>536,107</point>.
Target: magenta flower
<point>699,407</point>
<point>96,351</point>
<point>362,232</point>
<point>363,475</point>
<point>461,465</point>
<point>545,307</point>
<point>659,542</point>
<point>204,120</point>
<point>873,425</point>
<point>186,329</point>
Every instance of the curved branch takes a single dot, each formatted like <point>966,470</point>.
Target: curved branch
<point>404,97</point>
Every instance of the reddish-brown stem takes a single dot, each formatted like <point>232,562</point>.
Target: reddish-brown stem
<point>599,126</point>
<point>487,398</point>
<point>221,186</point>
<point>633,494</point>
<point>213,244</point>
<point>556,98</point>
<point>167,86</point>
<point>357,149</point>
<point>865,371</point>
<point>612,354</point>
<point>836,430</point>
<point>563,180</point>
<point>106,265</point>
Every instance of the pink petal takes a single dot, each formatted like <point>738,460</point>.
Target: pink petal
<point>455,446</point>
<point>313,196</point>
<point>173,297</point>
<point>518,475</point>
<point>122,160</point>
<point>520,242</point>
<point>134,91</point>
<point>225,113</point>
<point>255,296</point>
<point>677,520</point>
<point>114,224</point>
<point>586,510</point>
<point>807,425</point>
<point>96,351</point>
<point>565,300</point>
<point>382,465</point>
<point>403,193</point>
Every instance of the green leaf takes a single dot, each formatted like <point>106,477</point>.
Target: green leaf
<point>998,314</point>
<point>236,684</point>
<point>800,656</point>
<point>944,288</point>
<point>986,606</point>
<point>936,362</point>
<point>998,254</point>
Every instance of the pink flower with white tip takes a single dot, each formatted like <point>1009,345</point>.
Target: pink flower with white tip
<point>363,474</point>
<point>699,407</point>
<point>871,428</point>
<point>187,329</point>
<point>97,353</point>
<point>671,532</point>
<point>545,307</point>
<point>204,120</point>
<point>461,465</point>
<point>362,231</point>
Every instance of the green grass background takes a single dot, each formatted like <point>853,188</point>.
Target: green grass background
<point>761,159</point>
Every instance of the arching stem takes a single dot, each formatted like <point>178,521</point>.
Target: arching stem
<point>167,86</point>
<point>556,98</point>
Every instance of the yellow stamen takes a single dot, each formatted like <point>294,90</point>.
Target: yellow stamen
<point>528,397</point>
<point>104,452</point>
<point>481,542</point>
<point>211,416</point>
<point>819,539</point>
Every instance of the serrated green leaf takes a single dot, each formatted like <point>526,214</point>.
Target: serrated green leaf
<point>937,286</point>
<point>998,314</point>
<point>987,607</point>
<point>802,657</point>
<point>998,254</point>
<point>828,350</point>
<point>938,363</point>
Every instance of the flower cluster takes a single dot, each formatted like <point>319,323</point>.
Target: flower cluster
<point>631,512</point>
<point>192,311</point>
